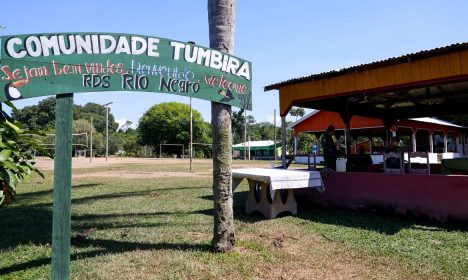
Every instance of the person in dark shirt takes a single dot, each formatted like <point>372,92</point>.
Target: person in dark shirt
<point>393,154</point>
<point>363,160</point>
<point>330,152</point>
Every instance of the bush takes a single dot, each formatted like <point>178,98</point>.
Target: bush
<point>16,154</point>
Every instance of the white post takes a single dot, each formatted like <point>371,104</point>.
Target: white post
<point>413,141</point>
<point>245,135</point>
<point>295,145</point>
<point>107,128</point>
<point>431,142</point>
<point>274,132</point>
<point>445,143</point>
<point>249,148</point>
<point>91,142</point>
<point>191,135</point>
<point>283,141</point>
<point>107,133</point>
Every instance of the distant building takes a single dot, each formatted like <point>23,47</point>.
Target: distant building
<point>256,149</point>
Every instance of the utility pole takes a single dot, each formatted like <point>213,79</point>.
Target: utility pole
<point>245,132</point>
<point>107,128</point>
<point>191,126</point>
<point>274,133</point>
<point>91,141</point>
<point>191,135</point>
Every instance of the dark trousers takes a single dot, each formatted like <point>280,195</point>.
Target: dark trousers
<point>330,161</point>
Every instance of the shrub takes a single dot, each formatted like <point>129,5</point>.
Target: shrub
<point>16,154</point>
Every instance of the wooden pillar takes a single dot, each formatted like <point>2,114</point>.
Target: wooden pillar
<point>61,221</point>
<point>347,138</point>
<point>346,118</point>
<point>283,141</point>
<point>317,136</point>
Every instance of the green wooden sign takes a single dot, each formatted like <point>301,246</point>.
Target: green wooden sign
<point>47,64</point>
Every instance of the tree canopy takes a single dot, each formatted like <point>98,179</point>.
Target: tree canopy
<point>238,122</point>
<point>37,117</point>
<point>169,123</point>
<point>297,112</point>
<point>42,115</point>
<point>98,112</point>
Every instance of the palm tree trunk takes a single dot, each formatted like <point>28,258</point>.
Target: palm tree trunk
<point>221,17</point>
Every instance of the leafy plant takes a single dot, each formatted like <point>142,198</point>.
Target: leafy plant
<point>16,154</point>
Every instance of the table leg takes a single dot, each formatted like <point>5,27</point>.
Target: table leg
<point>260,200</point>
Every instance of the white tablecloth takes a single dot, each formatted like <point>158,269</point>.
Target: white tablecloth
<point>279,178</point>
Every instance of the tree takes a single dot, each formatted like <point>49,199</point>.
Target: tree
<point>98,112</point>
<point>82,126</point>
<point>127,124</point>
<point>238,125</point>
<point>297,112</point>
<point>221,20</point>
<point>169,123</point>
<point>129,141</point>
<point>306,141</point>
<point>42,115</point>
<point>263,131</point>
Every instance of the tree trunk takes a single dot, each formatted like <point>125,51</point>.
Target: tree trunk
<point>221,17</point>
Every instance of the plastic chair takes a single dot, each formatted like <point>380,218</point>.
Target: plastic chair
<point>419,167</point>
<point>393,157</point>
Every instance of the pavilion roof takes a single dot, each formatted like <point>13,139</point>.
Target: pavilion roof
<point>426,83</point>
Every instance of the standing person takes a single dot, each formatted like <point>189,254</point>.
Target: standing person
<point>330,152</point>
<point>393,153</point>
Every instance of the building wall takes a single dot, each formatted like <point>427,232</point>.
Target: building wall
<point>436,197</point>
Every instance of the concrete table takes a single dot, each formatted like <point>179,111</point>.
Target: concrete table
<point>271,190</point>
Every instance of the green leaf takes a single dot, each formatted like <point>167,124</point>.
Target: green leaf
<point>13,181</point>
<point>13,107</point>
<point>5,176</point>
<point>14,127</point>
<point>10,165</point>
<point>35,132</point>
<point>39,173</point>
<point>2,197</point>
<point>5,155</point>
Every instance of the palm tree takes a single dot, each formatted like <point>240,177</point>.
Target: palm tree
<point>128,124</point>
<point>297,112</point>
<point>221,19</point>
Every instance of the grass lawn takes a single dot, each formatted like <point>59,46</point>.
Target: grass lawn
<point>161,228</point>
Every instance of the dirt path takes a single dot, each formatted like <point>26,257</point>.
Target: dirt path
<point>43,163</point>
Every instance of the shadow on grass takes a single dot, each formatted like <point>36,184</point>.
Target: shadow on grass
<point>381,221</point>
<point>24,225</point>
<point>108,247</point>
<point>50,191</point>
<point>239,199</point>
<point>147,192</point>
<point>32,224</point>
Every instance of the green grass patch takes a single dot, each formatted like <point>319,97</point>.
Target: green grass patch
<point>161,229</point>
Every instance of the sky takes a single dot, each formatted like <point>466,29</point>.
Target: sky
<point>282,39</point>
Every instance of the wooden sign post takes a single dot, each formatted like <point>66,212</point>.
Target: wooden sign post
<point>61,224</point>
